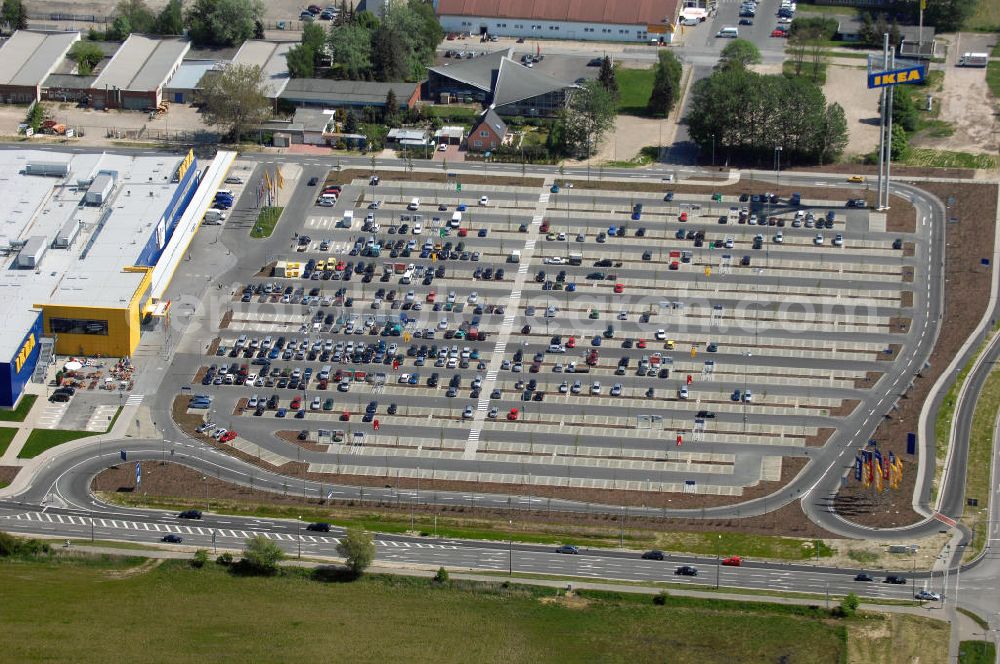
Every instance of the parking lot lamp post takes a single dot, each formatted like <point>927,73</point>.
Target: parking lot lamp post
<point>777,168</point>
<point>713,149</point>
<point>718,561</point>
<point>300,538</point>
<point>510,547</point>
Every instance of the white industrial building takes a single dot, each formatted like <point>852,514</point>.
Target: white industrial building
<point>598,20</point>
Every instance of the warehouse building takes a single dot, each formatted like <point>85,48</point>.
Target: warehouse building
<point>27,59</point>
<point>330,94</point>
<point>598,20</point>
<point>270,57</point>
<point>88,245</point>
<point>135,77</point>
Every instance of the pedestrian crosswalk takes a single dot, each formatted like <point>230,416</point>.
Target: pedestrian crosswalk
<point>134,399</point>
<point>178,529</point>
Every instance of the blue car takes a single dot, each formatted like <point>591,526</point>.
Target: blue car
<point>281,412</point>
<point>571,287</point>
<point>461,207</point>
<point>596,341</point>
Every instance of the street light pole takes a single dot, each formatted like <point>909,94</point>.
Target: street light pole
<point>718,561</point>
<point>300,538</point>
<point>777,168</point>
<point>510,547</point>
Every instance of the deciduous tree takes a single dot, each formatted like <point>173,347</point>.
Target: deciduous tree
<point>223,22</point>
<point>358,549</point>
<point>236,99</point>
<point>590,114</point>
<point>607,77</point>
<point>14,15</point>
<point>739,53</point>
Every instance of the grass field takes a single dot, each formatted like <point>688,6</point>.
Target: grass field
<point>809,71</point>
<point>977,473</point>
<point>6,435</point>
<point>976,652</point>
<point>267,219</point>
<point>21,412</point>
<point>925,157</point>
<point>898,639</point>
<point>986,18</point>
<point>993,78</point>
<point>40,440</point>
<point>634,88</point>
<point>173,612</point>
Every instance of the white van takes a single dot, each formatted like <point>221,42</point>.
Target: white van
<point>456,220</point>
<point>729,33</point>
<point>515,256</point>
<point>348,220</point>
<point>213,217</point>
<point>414,204</point>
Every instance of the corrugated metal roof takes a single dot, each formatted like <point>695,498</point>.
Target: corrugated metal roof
<point>69,81</point>
<point>345,92</point>
<point>270,57</point>
<point>623,12</point>
<point>31,55</point>
<point>189,74</point>
<point>142,64</point>
<point>477,72</point>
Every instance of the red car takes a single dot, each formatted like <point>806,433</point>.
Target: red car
<point>779,33</point>
<point>228,436</point>
<point>512,415</point>
<point>463,232</point>
<point>619,288</point>
<point>296,403</point>
<point>684,216</point>
<point>674,265</point>
<point>732,561</point>
<point>571,342</point>
<point>345,416</point>
<point>431,295</point>
<point>641,343</point>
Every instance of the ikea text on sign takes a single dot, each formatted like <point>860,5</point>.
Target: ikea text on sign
<point>908,75</point>
<point>25,352</point>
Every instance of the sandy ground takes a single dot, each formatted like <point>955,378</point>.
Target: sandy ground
<point>630,135</point>
<point>967,104</point>
<point>846,86</point>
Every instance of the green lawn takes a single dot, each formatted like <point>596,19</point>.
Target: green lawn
<point>21,412</point>
<point>267,219</point>
<point>40,440</point>
<point>809,70</point>
<point>993,78</point>
<point>976,652</point>
<point>977,470</point>
<point>986,18</point>
<point>6,435</point>
<point>926,157</point>
<point>176,613</point>
<point>634,88</point>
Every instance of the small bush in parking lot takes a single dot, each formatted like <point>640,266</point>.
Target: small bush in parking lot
<point>199,559</point>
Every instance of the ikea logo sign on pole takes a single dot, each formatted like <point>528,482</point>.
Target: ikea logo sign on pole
<point>886,78</point>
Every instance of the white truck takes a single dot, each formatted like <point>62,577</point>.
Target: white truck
<point>515,256</point>
<point>974,60</point>
<point>214,217</point>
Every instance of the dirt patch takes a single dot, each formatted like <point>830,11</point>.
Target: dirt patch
<point>819,438</point>
<point>570,600</point>
<point>147,565</point>
<point>199,375</point>
<point>899,325</point>
<point>293,438</point>
<point>213,347</point>
<point>870,378</point>
<point>901,219</point>
<point>227,318</point>
<point>7,474</point>
<point>174,485</point>
<point>860,107</point>
<point>845,408</point>
<point>967,289</point>
<point>906,299</point>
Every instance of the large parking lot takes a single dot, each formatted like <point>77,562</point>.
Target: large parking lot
<point>553,336</point>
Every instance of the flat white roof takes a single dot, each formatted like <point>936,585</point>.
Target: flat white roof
<point>112,237</point>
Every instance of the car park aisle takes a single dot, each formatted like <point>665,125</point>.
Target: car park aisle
<point>503,334</point>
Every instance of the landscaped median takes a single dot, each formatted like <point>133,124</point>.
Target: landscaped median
<point>267,219</point>
<point>979,465</point>
<point>179,606</point>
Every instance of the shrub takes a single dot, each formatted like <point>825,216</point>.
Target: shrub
<point>226,559</point>
<point>661,599</point>
<point>358,549</point>
<point>441,576</point>
<point>849,605</point>
<point>19,546</point>
<point>199,559</point>
<point>260,556</point>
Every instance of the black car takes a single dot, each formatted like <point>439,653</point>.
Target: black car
<point>864,577</point>
<point>705,414</point>
<point>172,539</point>
<point>568,548</point>
<point>320,527</point>
<point>189,514</point>
<point>653,555</point>
<point>686,570</point>
<point>312,181</point>
<point>895,579</point>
